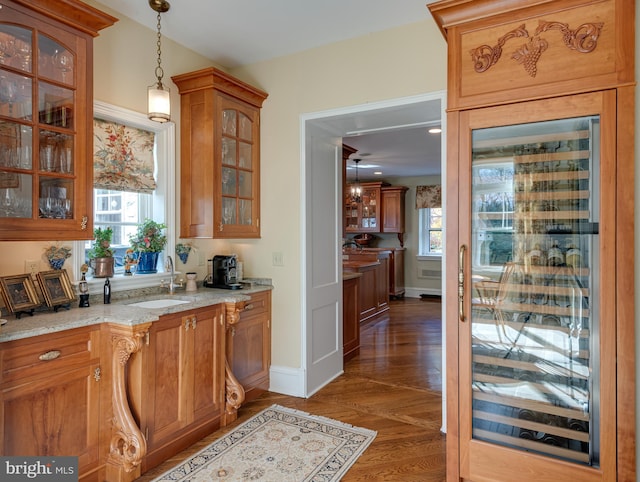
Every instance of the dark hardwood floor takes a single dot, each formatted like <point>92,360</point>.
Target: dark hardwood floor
<point>393,387</point>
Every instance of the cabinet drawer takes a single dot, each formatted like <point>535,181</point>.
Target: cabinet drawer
<point>259,304</point>
<point>46,355</point>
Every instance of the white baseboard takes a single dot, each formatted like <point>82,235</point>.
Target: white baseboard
<point>416,292</point>
<point>287,381</point>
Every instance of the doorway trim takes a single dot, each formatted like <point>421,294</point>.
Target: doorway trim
<point>307,126</point>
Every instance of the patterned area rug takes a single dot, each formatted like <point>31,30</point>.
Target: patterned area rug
<point>278,444</point>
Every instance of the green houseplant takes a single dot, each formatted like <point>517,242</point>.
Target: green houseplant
<point>101,255</point>
<point>147,243</point>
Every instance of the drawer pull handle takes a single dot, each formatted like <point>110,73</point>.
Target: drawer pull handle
<point>50,355</point>
<point>249,307</point>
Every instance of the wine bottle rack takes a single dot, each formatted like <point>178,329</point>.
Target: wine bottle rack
<point>533,332</point>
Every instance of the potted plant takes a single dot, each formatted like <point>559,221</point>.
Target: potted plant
<point>101,255</point>
<point>148,242</point>
<point>56,255</point>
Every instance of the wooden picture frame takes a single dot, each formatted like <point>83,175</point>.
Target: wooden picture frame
<point>19,294</point>
<point>56,287</point>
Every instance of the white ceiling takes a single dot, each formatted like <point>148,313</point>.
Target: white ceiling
<point>238,32</point>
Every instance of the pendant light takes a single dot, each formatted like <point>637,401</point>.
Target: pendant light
<point>159,101</point>
<point>356,189</point>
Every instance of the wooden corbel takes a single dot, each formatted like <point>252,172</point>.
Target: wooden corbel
<point>128,445</point>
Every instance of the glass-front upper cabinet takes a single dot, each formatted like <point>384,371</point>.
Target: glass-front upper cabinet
<point>537,236</point>
<point>362,215</point>
<point>45,108</point>
<point>239,174</point>
<point>220,155</point>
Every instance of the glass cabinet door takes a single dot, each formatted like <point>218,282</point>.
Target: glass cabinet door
<point>370,210</point>
<point>37,125</point>
<point>363,215</point>
<point>239,175</point>
<point>536,367</point>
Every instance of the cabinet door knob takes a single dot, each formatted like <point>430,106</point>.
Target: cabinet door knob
<point>83,223</point>
<point>194,319</point>
<point>50,355</point>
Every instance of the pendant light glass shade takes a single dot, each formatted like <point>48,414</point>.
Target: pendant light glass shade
<point>158,96</point>
<point>159,103</point>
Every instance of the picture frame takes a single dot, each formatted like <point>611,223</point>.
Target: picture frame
<point>56,287</point>
<point>19,294</point>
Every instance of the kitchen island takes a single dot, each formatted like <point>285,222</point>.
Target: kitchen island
<point>374,283</point>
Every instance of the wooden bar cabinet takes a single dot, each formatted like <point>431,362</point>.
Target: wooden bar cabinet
<point>540,291</point>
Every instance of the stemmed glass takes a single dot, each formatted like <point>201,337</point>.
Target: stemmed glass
<point>8,92</point>
<point>63,61</point>
<point>9,203</point>
<point>24,54</point>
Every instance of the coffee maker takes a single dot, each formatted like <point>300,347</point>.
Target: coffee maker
<point>223,273</point>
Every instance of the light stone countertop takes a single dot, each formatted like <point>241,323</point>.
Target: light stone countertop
<point>119,311</point>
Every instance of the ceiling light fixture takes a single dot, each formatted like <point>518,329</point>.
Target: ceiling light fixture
<point>159,99</point>
<point>393,128</point>
<point>435,130</point>
<point>356,189</point>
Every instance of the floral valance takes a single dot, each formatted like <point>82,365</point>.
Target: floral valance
<point>122,157</point>
<point>428,197</point>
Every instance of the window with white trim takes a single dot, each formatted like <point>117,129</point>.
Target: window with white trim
<point>430,238</point>
<point>123,210</point>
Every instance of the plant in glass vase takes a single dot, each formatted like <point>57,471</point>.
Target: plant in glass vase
<point>148,242</point>
<point>101,255</point>
<point>56,255</point>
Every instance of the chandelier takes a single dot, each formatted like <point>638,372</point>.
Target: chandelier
<point>356,189</point>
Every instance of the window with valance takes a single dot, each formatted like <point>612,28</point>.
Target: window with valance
<point>428,196</point>
<point>123,158</point>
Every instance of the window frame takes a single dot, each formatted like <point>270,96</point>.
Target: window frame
<point>163,198</point>
<point>424,253</point>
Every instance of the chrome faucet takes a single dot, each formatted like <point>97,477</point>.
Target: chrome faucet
<point>172,285</point>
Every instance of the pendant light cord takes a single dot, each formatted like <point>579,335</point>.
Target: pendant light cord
<point>159,71</point>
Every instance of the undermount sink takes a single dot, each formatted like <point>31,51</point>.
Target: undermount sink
<point>165,303</point>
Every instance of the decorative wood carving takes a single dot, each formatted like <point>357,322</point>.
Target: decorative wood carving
<point>232,311</point>
<point>128,445</point>
<point>485,56</point>
<point>584,39</point>
<point>234,392</point>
